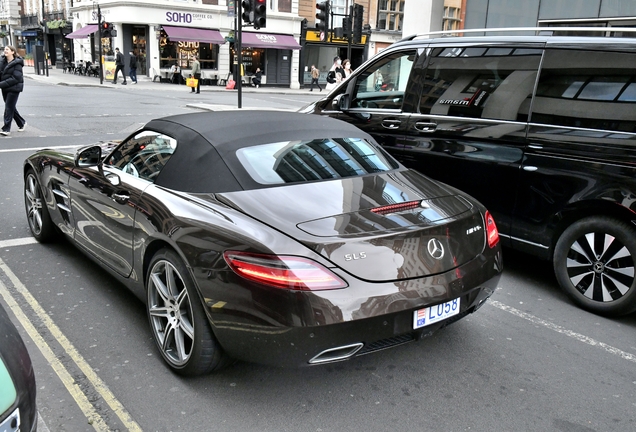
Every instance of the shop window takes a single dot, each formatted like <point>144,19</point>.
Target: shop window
<point>183,53</point>
<point>252,58</point>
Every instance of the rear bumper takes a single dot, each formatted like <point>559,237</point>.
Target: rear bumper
<point>304,328</point>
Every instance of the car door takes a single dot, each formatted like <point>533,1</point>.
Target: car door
<point>105,198</point>
<point>379,98</point>
<point>469,130</point>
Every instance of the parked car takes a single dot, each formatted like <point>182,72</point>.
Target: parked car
<point>540,129</point>
<point>270,237</point>
<point>17,381</point>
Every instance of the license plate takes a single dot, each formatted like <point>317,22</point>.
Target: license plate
<point>434,314</point>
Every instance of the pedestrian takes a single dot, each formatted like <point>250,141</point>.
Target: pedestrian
<point>196,73</point>
<point>176,74</point>
<point>258,76</point>
<point>11,83</point>
<point>132,64</point>
<point>347,68</point>
<point>335,75</point>
<point>119,66</point>
<point>315,74</point>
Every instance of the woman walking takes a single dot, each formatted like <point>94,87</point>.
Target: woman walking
<point>11,83</point>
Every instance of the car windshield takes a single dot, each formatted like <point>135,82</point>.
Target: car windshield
<point>320,159</point>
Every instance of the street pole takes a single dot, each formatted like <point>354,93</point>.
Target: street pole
<point>46,42</point>
<point>238,43</point>
<point>99,36</point>
<point>350,33</point>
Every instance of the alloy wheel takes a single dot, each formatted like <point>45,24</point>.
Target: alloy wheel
<point>34,204</point>
<point>171,315</point>
<point>600,267</point>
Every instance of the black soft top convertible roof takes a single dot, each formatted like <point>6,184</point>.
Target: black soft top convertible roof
<point>205,158</point>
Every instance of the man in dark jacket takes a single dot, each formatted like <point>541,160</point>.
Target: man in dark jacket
<point>132,64</point>
<point>12,84</point>
<point>119,66</point>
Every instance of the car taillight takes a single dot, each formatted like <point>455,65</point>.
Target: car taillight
<point>287,272</point>
<point>492,234</point>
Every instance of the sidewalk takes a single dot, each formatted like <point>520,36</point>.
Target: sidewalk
<point>58,77</point>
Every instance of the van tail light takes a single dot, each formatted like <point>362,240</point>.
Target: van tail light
<point>492,234</point>
<point>285,272</point>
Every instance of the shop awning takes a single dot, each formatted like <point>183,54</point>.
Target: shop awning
<point>189,34</point>
<point>83,32</point>
<point>265,40</point>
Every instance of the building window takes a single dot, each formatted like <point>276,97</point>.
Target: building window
<point>451,18</point>
<point>390,14</point>
<point>182,53</point>
<point>338,8</point>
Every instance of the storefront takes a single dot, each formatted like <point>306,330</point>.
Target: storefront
<point>272,53</point>
<point>161,37</point>
<point>321,54</point>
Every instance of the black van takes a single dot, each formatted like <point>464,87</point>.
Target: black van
<point>540,129</point>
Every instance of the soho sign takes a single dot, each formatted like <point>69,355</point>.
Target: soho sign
<point>266,38</point>
<point>185,17</point>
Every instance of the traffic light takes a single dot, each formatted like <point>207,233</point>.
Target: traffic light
<point>322,19</point>
<point>358,10</point>
<point>104,30</point>
<point>248,11</point>
<point>107,30</point>
<point>260,14</point>
<point>346,26</point>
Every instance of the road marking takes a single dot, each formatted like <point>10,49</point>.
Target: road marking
<point>66,378</point>
<point>32,149</point>
<point>68,381</point>
<point>581,338</point>
<point>17,242</point>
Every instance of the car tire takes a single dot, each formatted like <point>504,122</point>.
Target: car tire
<point>594,262</point>
<point>178,322</point>
<point>38,216</point>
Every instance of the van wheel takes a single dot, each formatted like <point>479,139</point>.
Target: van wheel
<point>594,262</point>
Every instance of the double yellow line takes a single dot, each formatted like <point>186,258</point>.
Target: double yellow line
<point>93,417</point>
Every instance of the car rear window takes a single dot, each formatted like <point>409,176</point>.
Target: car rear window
<point>319,159</point>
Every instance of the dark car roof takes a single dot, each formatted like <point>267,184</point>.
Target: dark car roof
<point>204,160</point>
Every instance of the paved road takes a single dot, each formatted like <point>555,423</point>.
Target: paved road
<point>528,360</point>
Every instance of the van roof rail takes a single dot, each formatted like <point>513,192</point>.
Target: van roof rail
<point>541,31</point>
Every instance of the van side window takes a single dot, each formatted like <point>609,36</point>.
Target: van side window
<point>587,89</point>
<point>480,82</point>
<point>383,84</point>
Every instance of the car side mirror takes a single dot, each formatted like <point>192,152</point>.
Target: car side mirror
<point>88,156</point>
<point>341,102</point>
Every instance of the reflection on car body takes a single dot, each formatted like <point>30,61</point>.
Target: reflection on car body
<point>294,241</point>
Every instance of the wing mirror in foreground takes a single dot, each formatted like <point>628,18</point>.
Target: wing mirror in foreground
<point>341,102</point>
<point>88,156</point>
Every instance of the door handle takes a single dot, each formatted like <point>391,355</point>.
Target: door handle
<point>120,198</point>
<point>391,124</point>
<point>425,126</point>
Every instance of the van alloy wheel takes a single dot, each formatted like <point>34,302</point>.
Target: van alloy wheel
<point>595,263</point>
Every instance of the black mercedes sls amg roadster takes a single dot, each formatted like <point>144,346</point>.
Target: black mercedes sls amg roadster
<point>270,237</point>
